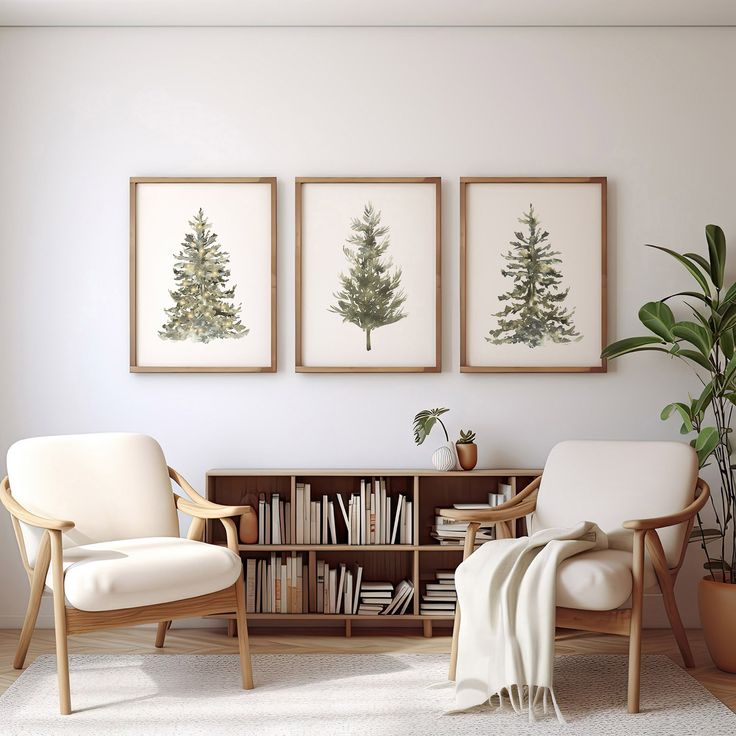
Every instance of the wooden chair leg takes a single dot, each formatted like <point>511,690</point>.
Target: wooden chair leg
<point>38,583</point>
<point>666,585</point>
<point>467,551</point>
<point>637,596</point>
<point>62,654</point>
<point>245,664</point>
<point>161,630</point>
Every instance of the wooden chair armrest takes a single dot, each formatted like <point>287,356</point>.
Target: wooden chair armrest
<point>658,522</point>
<point>521,504</point>
<point>200,501</point>
<point>211,511</point>
<point>27,517</point>
<point>485,516</point>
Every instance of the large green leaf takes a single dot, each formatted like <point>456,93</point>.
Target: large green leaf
<point>726,342</point>
<point>728,317</point>
<point>730,295</point>
<point>695,334</point>
<point>696,357</point>
<point>702,262</point>
<point>632,345</point>
<point>716,252</point>
<point>706,442</point>
<point>729,372</point>
<point>424,421</point>
<point>693,294</point>
<point>683,410</point>
<point>693,269</point>
<point>658,317</point>
<point>703,400</point>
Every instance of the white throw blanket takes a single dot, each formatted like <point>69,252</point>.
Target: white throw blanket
<point>506,593</point>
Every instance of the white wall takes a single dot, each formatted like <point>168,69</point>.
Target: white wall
<point>82,110</point>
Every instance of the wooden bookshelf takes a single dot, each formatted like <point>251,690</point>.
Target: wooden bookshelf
<point>417,562</point>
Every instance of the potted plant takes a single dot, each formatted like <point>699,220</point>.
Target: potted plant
<point>443,458</point>
<point>467,450</point>
<point>706,343</point>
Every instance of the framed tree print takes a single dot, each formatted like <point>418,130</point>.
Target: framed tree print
<point>368,275</point>
<point>532,274</point>
<point>202,275</point>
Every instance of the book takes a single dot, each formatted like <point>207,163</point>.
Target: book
<point>299,525</point>
<point>409,522</point>
<point>471,506</point>
<point>348,592</point>
<point>356,592</point>
<point>397,518</point>
<point>372,520</point>
<point>259,575</point>
<point>384,510</point>
<point>307,518</point>
<point>403,589</point>
<point>261,518</point>
<point>402,524</point>
<point>320,586</point>
<point>250,585</point>
<point>340,588</point>
<point>333,590</point>
<point>407,601</point>
<point>325,512</point>
<point>344,513</point>
<point>378,526</point>
<point>331,521</point>
<point>287,522</point>
<point>361,515</point>
<point>275,519</point>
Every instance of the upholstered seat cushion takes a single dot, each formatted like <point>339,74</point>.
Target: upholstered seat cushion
<point>599,580</point>
<point>141,572</point>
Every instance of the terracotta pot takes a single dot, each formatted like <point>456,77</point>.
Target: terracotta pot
<point>467,454</point>
<point>717,604</point>
<point>248,531</point>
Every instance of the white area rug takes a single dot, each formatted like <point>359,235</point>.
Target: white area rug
<point>341,695</point>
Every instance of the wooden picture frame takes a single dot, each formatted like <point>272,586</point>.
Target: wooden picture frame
<point>267,358</point>
<point>598,342</point>
<point>434,362</point>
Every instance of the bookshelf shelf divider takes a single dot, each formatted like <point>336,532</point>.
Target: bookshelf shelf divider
<point>417,562</point>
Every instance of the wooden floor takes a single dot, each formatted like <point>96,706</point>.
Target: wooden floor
<point>215,641</point>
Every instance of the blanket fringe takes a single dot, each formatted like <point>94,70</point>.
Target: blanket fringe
<point>530,699</point>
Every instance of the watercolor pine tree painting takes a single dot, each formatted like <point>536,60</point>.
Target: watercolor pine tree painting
<point>204,308</point>
<point>370,296</point>
<point>535,311</point>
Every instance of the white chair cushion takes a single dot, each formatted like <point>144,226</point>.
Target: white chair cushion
<point>599,580</point>
<point>611,482</point>
<point>112,486</point>
<point>129,573</point>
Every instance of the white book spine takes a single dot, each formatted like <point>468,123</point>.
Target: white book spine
<point>299,513</point>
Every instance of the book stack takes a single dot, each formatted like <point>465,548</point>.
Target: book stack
<point>273,520</point>
<point>373,517</point>
<point>314,521</point>
<point>278,584</point>
<point>451,534</point>
<point>383,599</point>
<point>440,596</point>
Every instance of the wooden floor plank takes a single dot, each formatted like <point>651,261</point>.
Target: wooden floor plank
<point>214,641</point>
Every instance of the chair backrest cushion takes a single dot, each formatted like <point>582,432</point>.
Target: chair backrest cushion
<point>112,486</point>
<point>609,482</point>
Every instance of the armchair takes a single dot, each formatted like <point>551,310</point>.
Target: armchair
<point>118,560</point>
<point>656,485</point>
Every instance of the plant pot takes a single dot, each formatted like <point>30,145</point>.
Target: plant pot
<point>248,531</point>
<point>467,454</point>
<point>717,604</point>
<point>444,458</point>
